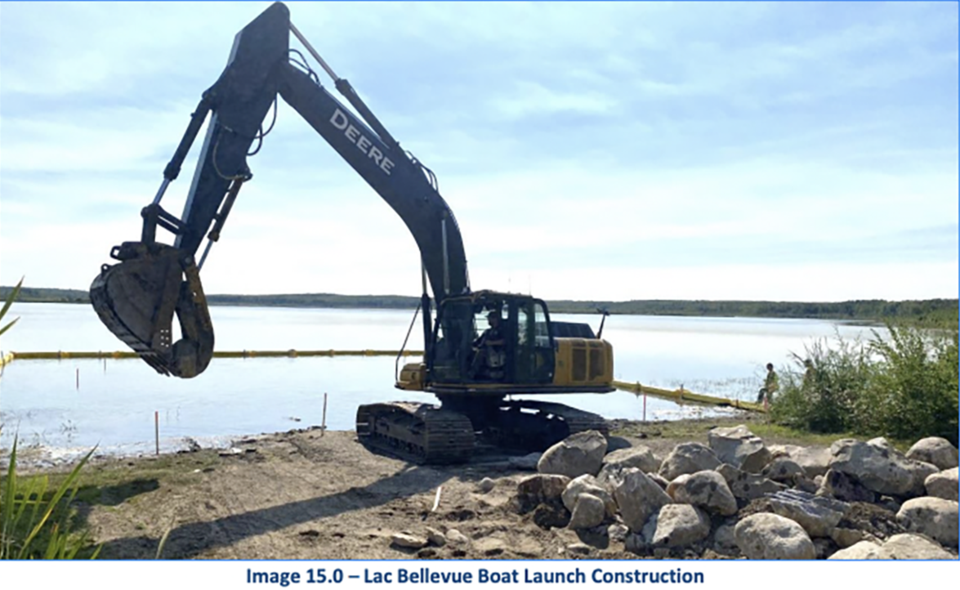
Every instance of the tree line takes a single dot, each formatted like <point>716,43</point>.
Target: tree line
<point>933,310</point>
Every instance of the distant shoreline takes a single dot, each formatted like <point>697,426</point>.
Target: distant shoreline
<point>860,311</point>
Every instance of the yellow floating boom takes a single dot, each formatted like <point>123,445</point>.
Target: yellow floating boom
<point>678,395</point>
<point>58,355</point>
<point>682,395</point>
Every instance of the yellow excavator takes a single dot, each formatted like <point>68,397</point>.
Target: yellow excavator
<point>480,347</point>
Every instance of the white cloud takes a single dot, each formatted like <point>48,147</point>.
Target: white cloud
<point>559,131</point>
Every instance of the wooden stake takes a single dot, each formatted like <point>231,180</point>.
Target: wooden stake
<point>156,430</point>
<point>323,424</point>
<point>436,501</point>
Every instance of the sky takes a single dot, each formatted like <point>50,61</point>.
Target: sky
<point>593,151</point>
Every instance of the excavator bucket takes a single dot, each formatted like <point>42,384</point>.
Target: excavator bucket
<point>137,299</point>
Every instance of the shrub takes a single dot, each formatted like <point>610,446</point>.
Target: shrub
<point>902,386</point>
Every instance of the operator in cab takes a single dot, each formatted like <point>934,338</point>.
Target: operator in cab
<point>490,349</point>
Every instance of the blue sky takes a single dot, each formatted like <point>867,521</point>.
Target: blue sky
<point>801,151</point>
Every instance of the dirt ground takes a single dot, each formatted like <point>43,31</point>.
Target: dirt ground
<point>300,495</point>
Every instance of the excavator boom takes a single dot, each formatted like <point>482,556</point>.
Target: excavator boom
<point>152,282</point>
<point>138,297</point>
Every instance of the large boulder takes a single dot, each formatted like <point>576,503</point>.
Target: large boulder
<point>688,458</point>
<point>588,512</point>
<point>538,489</point>
<point>943,485</point>
<point>638,497</point>
<point>921,471</point>
<point>935,450</point>
<point>817,515</point>
<point>771,536</point>
<point>587,484</point>
<point>725,540</point>
<point>707,490</point>
<point>814,460</point>
<point>784,470</point>
<point>879,467</point>
<point>933,517</point>
<point>639,456</point>
<point>911,546</point>
<point>860,550</point>
<point>898,547</point>
<point>679,525</point>
<point>739,447</point>
<point>575,455</point>
<point>845,487</point>
<point>747,486</point>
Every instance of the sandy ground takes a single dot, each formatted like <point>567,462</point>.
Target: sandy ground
<point>300,495</point>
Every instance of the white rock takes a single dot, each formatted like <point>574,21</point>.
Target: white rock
<point>783,469</point>
<point>587,484</point>
<point>588,512</point>
<point>486,484</point>
<point>943,485</point>
<point>408,541</point>
<point>842,486</point>
<point>639,456</point>
<point>817,515</point>
<point>435,537</point>
<point>845,538</point>
<point>747,486</point>
<point>898,547</point>
<point>933,517</point>
<point>921,471</point>
<point>860,550</point>
<point>707,490</point>
<point>910,546</point>
<point>574,456</point>
<point>880,469</point>
<point>455,537</point>
<point>934,450</point>
<point>539,488</point>
<point>617,532</point>
<point>688,458</point>
<point>725,540</point>
<point>672,487</point>
<point>771,536</point>
<point>679,525</point>
<point>739,447</point>
<point>814,460</point>
<point>881,442</point>
<point>638,497</point>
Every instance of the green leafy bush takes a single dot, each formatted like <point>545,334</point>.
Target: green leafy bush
<point>902,386</point>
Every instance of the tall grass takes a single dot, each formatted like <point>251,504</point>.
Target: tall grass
<point>903,385</point>
<point>37,519</point>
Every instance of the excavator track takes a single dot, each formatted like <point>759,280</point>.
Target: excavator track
<point>535,426</point>
<point>420,433</point>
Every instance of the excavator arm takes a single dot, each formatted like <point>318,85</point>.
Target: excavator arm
<point>138,297</point>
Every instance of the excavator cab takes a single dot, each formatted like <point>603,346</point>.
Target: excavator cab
<point>490,340</point>
<point>495,344</point>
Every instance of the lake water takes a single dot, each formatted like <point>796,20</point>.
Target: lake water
<point>115,403</point>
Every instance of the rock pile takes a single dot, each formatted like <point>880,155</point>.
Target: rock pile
<point>736,497</point>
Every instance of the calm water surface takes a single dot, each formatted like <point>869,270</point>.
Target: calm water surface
<point>115,403</point>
